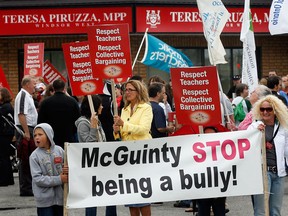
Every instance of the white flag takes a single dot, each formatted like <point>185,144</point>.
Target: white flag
<point>249,65</point>
<point>214,17</point>
<point>278,17</point>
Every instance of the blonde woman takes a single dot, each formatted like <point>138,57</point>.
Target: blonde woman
<point>270,115</point>
<point>135,124</point>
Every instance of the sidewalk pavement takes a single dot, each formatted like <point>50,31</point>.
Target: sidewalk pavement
<point>11,204</point>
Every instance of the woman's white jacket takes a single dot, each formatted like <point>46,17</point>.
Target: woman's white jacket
<point>281,146</point>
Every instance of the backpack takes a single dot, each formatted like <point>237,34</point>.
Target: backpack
<point>249,105</point>
<point>239,113</point>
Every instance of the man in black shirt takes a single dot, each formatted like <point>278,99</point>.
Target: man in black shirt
<point>60,111</point>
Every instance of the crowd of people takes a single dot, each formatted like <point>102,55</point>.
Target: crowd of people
<point>46,117</point>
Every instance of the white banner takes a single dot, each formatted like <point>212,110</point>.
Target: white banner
<point>164,169</point>
<point>214,17</point>
<point>249,64</point>
<point>278,17</point>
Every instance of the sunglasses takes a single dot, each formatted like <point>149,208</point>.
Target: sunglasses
<point>268,109</point>
<point>129,90</point>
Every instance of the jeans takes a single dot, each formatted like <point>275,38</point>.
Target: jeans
<point>50,211</point>
<point>92,211</point>
<point>276,193</point>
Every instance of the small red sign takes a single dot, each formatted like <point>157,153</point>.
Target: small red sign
<point>196,95</point>
<point>110,51</point>
<point>78,64</point>
<point>33,59</point>
<point>58,160</point>
<point>50,73</point>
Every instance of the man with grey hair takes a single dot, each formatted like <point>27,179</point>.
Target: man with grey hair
<point>259,92</point>
<point>25,115</point>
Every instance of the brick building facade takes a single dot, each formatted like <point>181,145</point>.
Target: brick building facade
<point>273,53</point>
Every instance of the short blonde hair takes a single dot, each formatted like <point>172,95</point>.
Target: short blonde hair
<point>278,106</point>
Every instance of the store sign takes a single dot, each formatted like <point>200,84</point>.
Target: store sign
<point>60,20</point>
<point>187,19</point>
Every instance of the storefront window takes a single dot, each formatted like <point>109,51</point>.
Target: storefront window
<point>57,60</point>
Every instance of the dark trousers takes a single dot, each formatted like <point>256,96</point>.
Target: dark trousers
<point>6,173</point>
<point>110,211</point>
<point>25,179</point>
<point>24,150</point>
<point>50,211</point>
<point>217,204</point>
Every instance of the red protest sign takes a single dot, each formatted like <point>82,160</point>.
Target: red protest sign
<point>50,73</point>
<point>3,81</point>
<point>110,51</point>
<point>78,64</point>
<point>33,59</point>
<point>196,95</point>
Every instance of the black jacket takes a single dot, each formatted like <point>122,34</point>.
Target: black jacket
<point>61,112</point>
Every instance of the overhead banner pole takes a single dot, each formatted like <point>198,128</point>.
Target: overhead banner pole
<point>117,136</point>
<point>141,44</point>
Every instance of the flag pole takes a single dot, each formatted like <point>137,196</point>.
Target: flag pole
<point>117,136</point>
<point>65,189</point>
<point>264,172</point>
<point>141,44</point>
<point>223,98</point>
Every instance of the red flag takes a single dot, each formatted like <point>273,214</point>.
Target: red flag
<point>3,81</point>
<point>50,73</point>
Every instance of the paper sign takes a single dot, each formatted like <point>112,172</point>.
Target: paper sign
<point>110,51</point>
<point>196,95</point>
<point>78,64</point>
<point>50,73</point>
<point>33,59</point>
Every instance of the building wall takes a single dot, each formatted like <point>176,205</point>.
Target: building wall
<point>274,54</point>
<point>274,51</point>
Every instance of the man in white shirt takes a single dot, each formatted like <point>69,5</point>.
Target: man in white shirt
<point>25,116</point>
